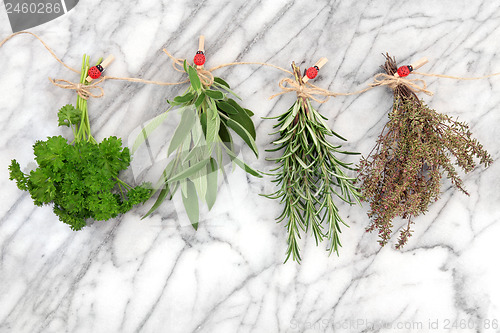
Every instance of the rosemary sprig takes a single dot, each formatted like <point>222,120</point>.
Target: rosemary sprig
<point>402,175</point>
<point>201,141</point>
<point>309,176</point>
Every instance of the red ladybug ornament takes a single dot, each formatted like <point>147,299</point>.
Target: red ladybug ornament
<point>312,72</point>
<point>404,70</point>
<point>95,71</point>
<point>199,58</point>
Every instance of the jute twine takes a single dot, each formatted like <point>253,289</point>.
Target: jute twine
<point>303,90</point>
<point>85,90</point>
<point>308,90</point>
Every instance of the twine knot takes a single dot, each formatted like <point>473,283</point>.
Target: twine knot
<point>304,90</point>
<point>415,85</point>
<point>206,76</point>
<point>83,90</point>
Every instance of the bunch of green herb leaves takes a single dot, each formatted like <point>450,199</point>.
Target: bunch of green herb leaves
<point>402,175</point>
<point>309,176</point>
<point>80,178</point>
<point>201,142</point>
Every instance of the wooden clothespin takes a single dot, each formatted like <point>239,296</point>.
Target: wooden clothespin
<point>96,71</point>
<point>312,72</point>
<point>406,70</point>
<point>199,58</point>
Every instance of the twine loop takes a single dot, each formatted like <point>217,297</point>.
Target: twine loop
<point>415,85</point>
<point>83,90</point>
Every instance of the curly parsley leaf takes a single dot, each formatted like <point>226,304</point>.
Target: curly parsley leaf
<point>81,180</point>
<point>68,115</point>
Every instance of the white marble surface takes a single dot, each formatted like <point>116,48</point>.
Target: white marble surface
<point>158,275</point>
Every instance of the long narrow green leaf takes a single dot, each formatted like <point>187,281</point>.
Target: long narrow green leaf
<point>224,135</point>
<point>235,105</point>
<point>221,81</point>
<point>242,164</point>
<point>167,172</point>
<point>338,136</point>
<point>184,98</point>
<point>200,182</point>
<point>243,133</point>
<point>199,100</point>
<point>194,79</point>
<point>198,133</point>
<point>313,135</point>
<point>302,163</point>
<point>203,122</point>
<point>161,197</point>
<point>284,139</point>
<point>215,94</point>
<point>187,122</point>
<point>189,171</point>
<point>229,91</point>
<point>212,186</point>
<point>291,116</point>
<point>287,122</point>
<point>213,125</point>
<point>321,119</point>
<point>244,120</point>
<point>146,131</point>
<point>199,147</point>
<point>227,107</point>
<point>349,152</point>
<point>195,151</point>
<point>190,200</point>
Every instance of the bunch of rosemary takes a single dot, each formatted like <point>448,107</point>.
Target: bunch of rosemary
<point>402,174</point>
<point>309,175</point>
<point>201,142</point>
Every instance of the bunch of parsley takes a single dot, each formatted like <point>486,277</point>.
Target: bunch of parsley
<point>80,178</point>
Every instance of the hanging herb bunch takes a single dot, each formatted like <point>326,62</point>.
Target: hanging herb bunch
<point>402,175</point>
<point>80,178</point>
<point>309,174</point>
<point>202,141</point>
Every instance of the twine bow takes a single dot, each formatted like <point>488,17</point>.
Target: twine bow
<point>304,90</point>
<point>415,85</point>
<point>83,90</point>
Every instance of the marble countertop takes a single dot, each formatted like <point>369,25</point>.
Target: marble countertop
<point>158,274</point>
